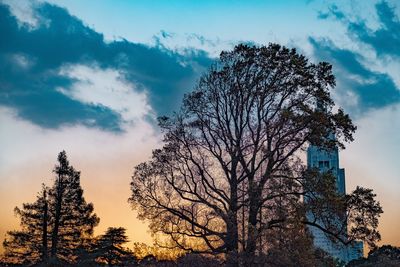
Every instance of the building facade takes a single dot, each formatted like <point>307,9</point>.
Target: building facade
<point>329,161</point>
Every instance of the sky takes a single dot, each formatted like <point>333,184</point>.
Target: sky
<point>91,77</point>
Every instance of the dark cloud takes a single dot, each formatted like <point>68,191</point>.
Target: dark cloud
<point>385,40</point>
<point>334,11</point>
<point>31,58</point>
<point>373,89</point>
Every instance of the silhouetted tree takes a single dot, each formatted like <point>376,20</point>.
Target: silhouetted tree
<point>343,218</point>
<point>73,219</point>
<point>196,260</point>
<point>142,250</point>
<point>386,255</point>
<point>30,244</point>
<point>149,260</point>
<point>109,248</point>
<point>56,225</point>
<point>236,137</point>
<point>292,246</point>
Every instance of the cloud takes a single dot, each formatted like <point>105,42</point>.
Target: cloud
<point>333,10</point>
<point>23,10</point>
<point>384,39</point>
<point>191,43</point>
<point>365,81</point>
<point>202,48</point>
<point>106,87</point>
<point>369,89</point>
<point>33,67</point>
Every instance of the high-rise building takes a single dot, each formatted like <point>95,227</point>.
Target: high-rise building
<point>329,161</point>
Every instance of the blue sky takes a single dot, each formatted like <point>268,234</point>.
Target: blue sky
<point>213,19</point>
<point>83,75</point>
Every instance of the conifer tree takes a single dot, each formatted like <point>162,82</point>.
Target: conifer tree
<point>30,244</point>
<point>73,219</point>
<point>110,248</point>
<point>56,227</point>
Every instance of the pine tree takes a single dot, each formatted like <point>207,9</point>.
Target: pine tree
<point>73,219</point>
<point>110,248</point>
<point>57,226</point>
<point>30,244</point>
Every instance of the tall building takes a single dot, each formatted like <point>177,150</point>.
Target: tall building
<point>329,161</point>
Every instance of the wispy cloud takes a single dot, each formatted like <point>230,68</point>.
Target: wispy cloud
<point>385,40</point>
<point>363,86</point>
<point>106,87</point>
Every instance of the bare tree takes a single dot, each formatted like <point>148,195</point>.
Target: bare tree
<point>236,138</point>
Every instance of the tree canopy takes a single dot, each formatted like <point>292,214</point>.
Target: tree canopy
<point>109,247</point>
<point>229,169</point>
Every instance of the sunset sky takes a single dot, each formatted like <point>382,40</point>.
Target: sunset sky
<point>91,77</point>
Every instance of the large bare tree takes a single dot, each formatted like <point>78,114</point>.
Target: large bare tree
<point>231,153</point>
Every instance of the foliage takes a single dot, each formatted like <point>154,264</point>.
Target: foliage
<point>109,248</point>
<point>57,225</point>
<point>388,256</point>
<point>231,154</point>
<point>290,247</point>
<point>356,214</point>
<point>145,252</point>
<point>72,218</point>
<point>29,245</point>
<point>196,260</point>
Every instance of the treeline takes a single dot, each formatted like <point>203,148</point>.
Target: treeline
<point>57,229</point>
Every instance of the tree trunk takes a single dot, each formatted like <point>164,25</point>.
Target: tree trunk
<point>232,240</point>
<point>54,236</point>
<point>45,254</point>
<point>252,231</point>
<point>243,220</point>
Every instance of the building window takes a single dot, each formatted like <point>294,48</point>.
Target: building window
<point>323,164</point>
